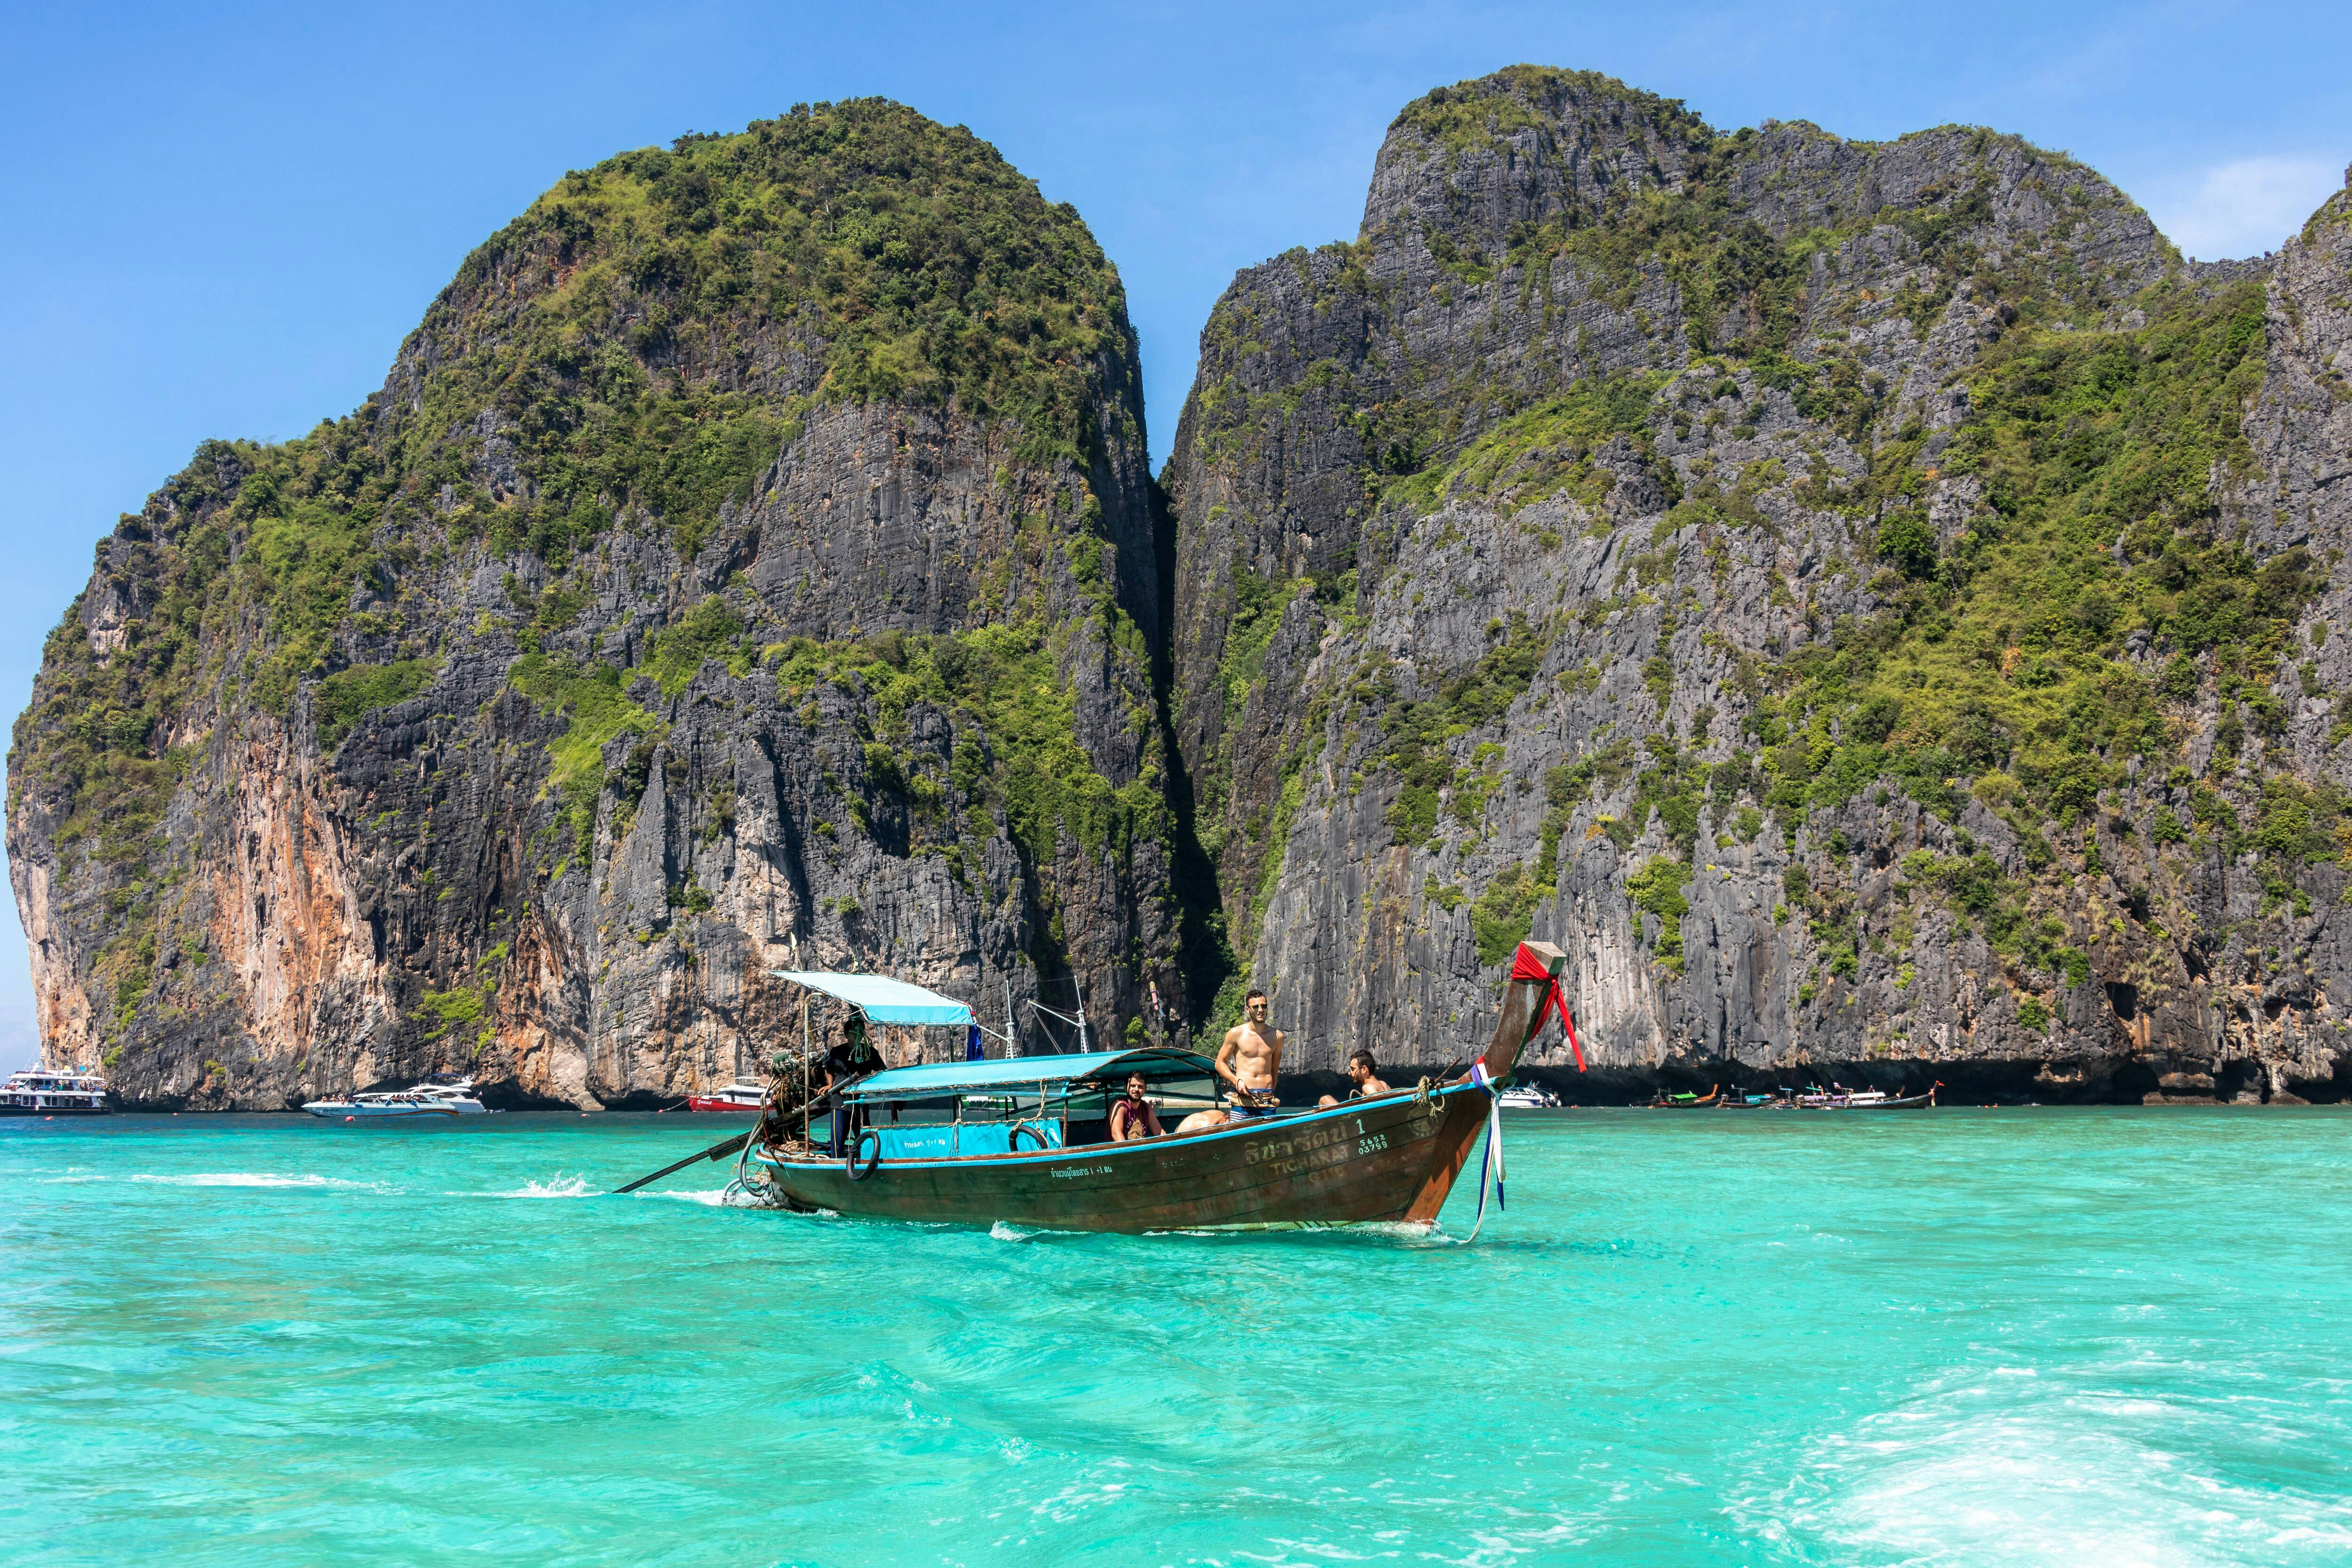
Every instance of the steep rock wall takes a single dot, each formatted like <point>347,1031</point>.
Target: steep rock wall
<point>1823,586</point>
<point>749,564</point>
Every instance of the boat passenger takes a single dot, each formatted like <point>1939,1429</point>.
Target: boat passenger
<point>1133,1116</point>
<point>851,1057</point>
<point>1250,1059</point>
<point>1366,1074</point>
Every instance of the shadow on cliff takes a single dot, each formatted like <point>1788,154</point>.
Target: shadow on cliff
<point>1204,956</point>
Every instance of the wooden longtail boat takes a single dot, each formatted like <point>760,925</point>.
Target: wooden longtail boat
<point>1872,1102</point>
<point>1019,1140</point>
<point>1665,1101</point>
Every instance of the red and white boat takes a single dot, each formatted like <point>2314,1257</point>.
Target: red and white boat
<point>738,1098</point>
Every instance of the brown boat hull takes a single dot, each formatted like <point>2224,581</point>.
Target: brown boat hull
<point>1393,1158</point>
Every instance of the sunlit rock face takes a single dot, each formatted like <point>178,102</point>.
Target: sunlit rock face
<point>1869,603</point>
<point>749,564</point>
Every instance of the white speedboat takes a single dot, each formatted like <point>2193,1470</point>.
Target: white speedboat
<point>1528,1097</point>
<point>40,1092</point>
<point>435,1096</point>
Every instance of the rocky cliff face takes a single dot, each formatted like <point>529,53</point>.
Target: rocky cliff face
<point>1872,604</point>
<point>749,564</point>
<point>1869,603</point>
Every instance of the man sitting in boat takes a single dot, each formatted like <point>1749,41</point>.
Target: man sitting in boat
<point>1133,1116</point>
<point>1251,1059</point>
<point>1366,1074</point>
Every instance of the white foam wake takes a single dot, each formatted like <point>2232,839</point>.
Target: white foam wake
<point>557,1186</point>
<point>1990,1468</point>
<point>252,1179</point>
<point>715,1197</point>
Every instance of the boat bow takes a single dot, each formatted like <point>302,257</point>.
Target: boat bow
<point>1531,997</point>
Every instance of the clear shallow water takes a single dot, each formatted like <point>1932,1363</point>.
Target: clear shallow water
<point>1966,1337</point>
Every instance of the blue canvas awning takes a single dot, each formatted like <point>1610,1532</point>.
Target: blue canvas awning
<point>1026,1073</point>
<point>883,1000</point>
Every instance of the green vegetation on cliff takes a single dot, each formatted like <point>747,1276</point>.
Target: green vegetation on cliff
<point>596,710</point>
<point>643,341</point>
<point>1472,115</point>
<point>1016,744</point>
<point>2004,658</point>
<point>344,696</point>
<point>656,327</point>
<point>1549,450</point>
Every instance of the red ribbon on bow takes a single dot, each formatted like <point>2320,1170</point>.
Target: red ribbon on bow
<point>1527,966</point>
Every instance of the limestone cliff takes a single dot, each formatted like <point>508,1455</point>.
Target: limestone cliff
<point>1869,603</point>
<point>1872,604</point>
<point>748,563</point>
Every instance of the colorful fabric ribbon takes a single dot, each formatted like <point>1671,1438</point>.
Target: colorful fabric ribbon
<point>1490,1148</point>
<point>1527,966</point>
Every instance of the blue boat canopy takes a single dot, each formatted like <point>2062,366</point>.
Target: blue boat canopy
<point>883,1000</point>
<point>1027,1071</point>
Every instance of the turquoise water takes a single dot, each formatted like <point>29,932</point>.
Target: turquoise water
<point>1963,1337</point>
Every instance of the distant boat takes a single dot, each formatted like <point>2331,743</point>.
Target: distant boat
<point>1841,1099</point>
<point>1528,1097</point>
<point>1771,1100</point>
<point>1685,1102</point>
<point>739,1097</point>
<point>36,1092</point>
<point>437,1097</point>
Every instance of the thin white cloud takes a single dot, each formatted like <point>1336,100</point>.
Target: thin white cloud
<point>2244,207</point>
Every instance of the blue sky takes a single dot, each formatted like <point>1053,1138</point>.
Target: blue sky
<point>220,221</point>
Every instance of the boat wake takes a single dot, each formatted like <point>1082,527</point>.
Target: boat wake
<point>1407,1233</point>
<point>713,1197</point>
<point>1375,1232</point>
<point>558,1185</point>
<point>248,1178</point>
<point>1991,1469</point>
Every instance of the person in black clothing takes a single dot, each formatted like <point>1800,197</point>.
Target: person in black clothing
<point>851,1057</point>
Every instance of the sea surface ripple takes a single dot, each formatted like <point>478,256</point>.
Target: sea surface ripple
<point>2084,1336</point>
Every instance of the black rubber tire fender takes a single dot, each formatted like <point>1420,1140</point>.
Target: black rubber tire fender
<point>860,1171</point>
<point>1013,1139</point>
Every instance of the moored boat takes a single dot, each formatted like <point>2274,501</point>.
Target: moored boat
<point>1527,1097</point>
<point>1841,1099</point>
<point>1026,1140</point>
<point>1686,1102</point>
<point>435,1096</point>
<point>740,1098</point>
<point>43,1092</point>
